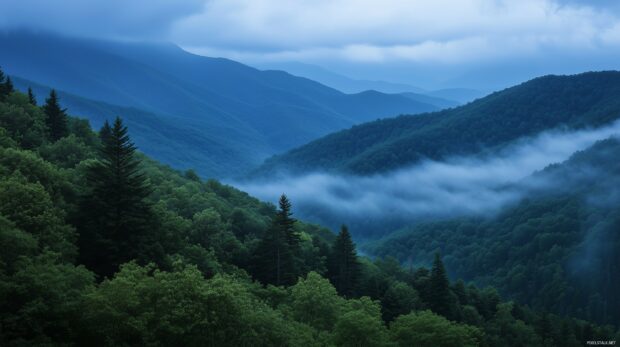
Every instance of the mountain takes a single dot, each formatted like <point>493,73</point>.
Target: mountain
<point>91,257</point>
<point>433,100</point>
<point>450,96</point>
<point>338,81</point>
<point>460,95</point>
<point>238,115</point>
<point>554,250</point>
<point>180,144</point>
<point>576,101</point>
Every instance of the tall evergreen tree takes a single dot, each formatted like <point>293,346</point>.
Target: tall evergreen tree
<point>274,262</point>
<point>544,329</point>
<point>31,98</point>
<point>286,222</point>
<point>55,117</point>
<point>8,86</point>
<point>439,289</point>
<point>3,93</point>
<point>115,213</point>
<point>343,265</point>
<point>275,256</point>
<point>105,133</point>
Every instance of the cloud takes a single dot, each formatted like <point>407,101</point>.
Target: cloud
<point>392,30</point>
<point>462,50</point>
<point>440,31</point>
<point>475,185</point>
<point>119,19</point>
<point>433,44</point>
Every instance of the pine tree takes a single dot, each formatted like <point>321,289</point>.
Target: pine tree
<point>439,289</point>
<point>286,222</point>
<point>55,117</point>
<point>8,86</point>
<point>3,93</point>
<point>31,98</point>
<point>343,265</point>
<point>115,213</point>
<point>105,133</point>
<point>274,259</point>
<point>544,329</point>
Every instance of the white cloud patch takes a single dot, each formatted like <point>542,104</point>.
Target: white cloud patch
<point>457,186</point>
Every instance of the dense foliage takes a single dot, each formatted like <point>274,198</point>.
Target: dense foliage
<point>103,246</point>
<point>589,99</point>
<point>555,250</point>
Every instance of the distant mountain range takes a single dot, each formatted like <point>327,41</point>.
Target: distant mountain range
<point>346,84</point>
<point>577,101</point>
<point>215,115</point>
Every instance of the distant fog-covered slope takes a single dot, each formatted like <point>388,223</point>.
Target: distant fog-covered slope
<point>556,249</point>
<point>577,101</point>
<point>237,115</point>
<point>453,96</point>
<point>338,81</point>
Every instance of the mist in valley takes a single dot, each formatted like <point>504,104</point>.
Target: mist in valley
<point>479,185</point>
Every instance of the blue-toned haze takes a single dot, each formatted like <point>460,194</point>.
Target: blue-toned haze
<point>478,44</point>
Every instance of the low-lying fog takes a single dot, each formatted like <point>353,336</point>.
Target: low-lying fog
<point>380,203</point>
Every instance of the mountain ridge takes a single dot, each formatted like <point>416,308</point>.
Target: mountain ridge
<point>575,101</point>
<point>221,98</point>
<point>351,85</point>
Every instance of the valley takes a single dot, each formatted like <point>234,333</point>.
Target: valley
<point>310,173</point>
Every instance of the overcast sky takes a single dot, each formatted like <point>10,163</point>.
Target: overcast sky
<point>475,43</point>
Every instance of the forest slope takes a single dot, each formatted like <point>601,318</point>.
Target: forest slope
<point>577,101</point>
<point>103,246</point>
<point>555,249</point>
<point>246,114</point>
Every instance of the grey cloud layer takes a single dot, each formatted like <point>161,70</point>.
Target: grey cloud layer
<point>480,44</point>
<point>445,31</point>
<point>120,19</point>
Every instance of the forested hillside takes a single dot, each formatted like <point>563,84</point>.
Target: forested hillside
<point>555,250</point>
<point>234,113</point>
<point>103,246</point>
<point>578,101</point>
<point>181,145</point>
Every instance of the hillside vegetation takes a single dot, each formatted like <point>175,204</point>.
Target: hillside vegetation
<point>224,116</point>
<point>555,250</point>
<point>103,246</point>
<point>578,101</point>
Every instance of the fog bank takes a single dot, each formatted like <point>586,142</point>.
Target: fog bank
<point>471,185</point>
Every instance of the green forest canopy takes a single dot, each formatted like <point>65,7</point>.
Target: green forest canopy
<point>104,246</point>
<point>555,250</point>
